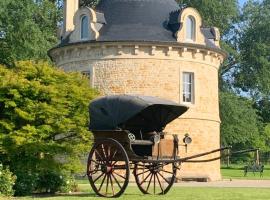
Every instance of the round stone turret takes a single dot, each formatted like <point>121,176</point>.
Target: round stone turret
<point>154,48</point>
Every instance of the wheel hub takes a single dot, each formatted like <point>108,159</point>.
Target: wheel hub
<point>107,169</point>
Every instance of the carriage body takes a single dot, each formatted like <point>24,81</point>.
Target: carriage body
<point>129,135</point>
<point>137,123</point>
<point>142,149</point>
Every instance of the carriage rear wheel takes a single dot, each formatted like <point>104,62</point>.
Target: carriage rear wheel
<point>108,168</point>
<point>155,178</point>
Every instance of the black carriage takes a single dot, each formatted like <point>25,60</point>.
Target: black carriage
<point>129,135</point>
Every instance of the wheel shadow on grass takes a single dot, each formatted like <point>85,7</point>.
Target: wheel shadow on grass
<point>78,195</point>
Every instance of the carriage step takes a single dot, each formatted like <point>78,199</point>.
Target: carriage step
<point>141,142</point>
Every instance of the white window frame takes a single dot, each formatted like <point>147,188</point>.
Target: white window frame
<point>192,28</point>
<point>190,88</point>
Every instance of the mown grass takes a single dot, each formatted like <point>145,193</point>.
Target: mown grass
<point>237,172</point>
<point>181,193</point>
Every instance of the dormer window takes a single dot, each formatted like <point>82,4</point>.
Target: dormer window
<point>84,27</point>
<point>190,29</point>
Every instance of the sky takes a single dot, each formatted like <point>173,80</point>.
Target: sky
<point>241,2</point>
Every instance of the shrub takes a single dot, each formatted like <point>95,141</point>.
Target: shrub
<point>69,185</point>
<point>44,115</point>
<point>7,181</point>
<point>44,182</point>
<point>25,183</point>
<point>49,182</point>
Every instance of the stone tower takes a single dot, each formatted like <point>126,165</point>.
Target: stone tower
<point>154,48</point>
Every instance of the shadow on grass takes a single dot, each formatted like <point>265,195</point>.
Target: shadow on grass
<point>84,194</point>
<point>78,195</point>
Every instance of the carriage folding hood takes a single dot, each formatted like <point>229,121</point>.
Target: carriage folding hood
<point>127,112</point>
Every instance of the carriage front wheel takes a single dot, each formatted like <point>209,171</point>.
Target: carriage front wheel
<point>155,178</point>
<point>108,168</point>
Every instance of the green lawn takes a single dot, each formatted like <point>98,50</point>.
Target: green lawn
<point>237,172</point>
<point>175,193</point>
<point>182,193</point>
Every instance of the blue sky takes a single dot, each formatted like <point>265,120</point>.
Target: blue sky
<point>241,2</point>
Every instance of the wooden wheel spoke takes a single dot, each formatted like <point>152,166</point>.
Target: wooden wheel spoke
<point>143,172</point>
<point>101,183</point>
<point>113,155</point>
<point>109,151</point>
<point>144,179</point>
<point>104,153</point>
<point>111,184</point>
<point>164,178</point>
<point>149,183</point>
<point>95,162</point>
<point>98,177</point>
<point>116,181</point>
<point>160,184</point>
<point>100,157</point>
<point>93,172</point>
<point>114,162</point>
<point>167,171</point>
<point>107,185</point>
<point>119,175</point>
<point>154,183</point>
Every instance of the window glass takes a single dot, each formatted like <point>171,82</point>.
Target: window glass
<point>190,28</point>
<point>188,87</point>
<point>84,27</point>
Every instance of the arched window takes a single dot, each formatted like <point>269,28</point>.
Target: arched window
<point>84,27</point>
<point>190,28</point>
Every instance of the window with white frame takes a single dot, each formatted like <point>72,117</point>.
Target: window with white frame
<point>190,28</point>
<point>84,27</point>
<point>188,87</point>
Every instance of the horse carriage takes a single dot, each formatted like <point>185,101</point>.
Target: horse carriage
<point>129,135</point>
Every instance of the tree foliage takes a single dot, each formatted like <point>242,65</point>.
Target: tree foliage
<point>222,14</point>
<point>240,121</point>
<point>89,3</point>
<point>28,29</point>
<point>252,75</point>
<point>43,117</point>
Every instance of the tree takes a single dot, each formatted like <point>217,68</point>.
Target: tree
<point>222,14</point>
<point>43,118</point>
<point>252,75</point>
<point>89,3</point>
<point>27,29</point>
<point>240,125</point>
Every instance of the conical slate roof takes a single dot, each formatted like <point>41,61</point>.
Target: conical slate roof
<point>136,20</point>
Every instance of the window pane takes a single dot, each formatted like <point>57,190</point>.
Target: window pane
<point>188,87</point>
<point>190,28</point>
<point>84,27</point>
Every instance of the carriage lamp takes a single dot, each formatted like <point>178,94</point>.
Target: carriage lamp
<point>187,140</point>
